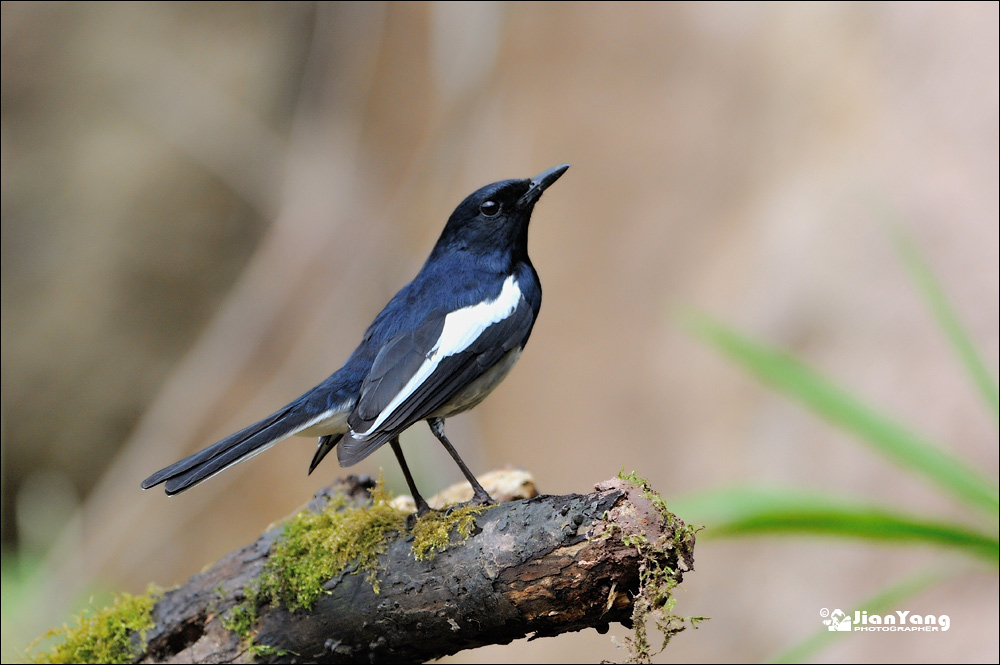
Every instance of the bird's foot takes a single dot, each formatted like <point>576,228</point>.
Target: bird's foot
<point>481,497</point>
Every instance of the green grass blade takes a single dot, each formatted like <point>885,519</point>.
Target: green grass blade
<point>900,445</point>
<point>883,602</point>
<point>736,512</point>
<point>948,320</point>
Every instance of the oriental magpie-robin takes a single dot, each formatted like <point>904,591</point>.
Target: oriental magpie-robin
<point>439,347</point>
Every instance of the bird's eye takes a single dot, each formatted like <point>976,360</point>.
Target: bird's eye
<point>490,208</point>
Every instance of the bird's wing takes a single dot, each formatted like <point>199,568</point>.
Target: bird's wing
<point>418,372</point>
<point>396,363</point>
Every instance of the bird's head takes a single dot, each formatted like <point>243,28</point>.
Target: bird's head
<point>495,217</point>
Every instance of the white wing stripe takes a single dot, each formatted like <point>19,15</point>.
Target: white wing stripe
<point>461,328</point>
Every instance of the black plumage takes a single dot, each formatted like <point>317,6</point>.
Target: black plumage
<point>438,348</point>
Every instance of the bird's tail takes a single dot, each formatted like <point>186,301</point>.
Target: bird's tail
<point>235,448</point>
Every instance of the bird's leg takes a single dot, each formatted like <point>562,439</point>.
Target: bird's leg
<point>479,495</point>
<point>422,507</point>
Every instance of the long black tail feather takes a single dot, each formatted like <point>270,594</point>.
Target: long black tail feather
<point>235,448</point>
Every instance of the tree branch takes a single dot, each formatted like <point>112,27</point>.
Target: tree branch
<point>539,566</point>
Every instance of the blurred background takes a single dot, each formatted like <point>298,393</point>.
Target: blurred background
<point>205,204</point>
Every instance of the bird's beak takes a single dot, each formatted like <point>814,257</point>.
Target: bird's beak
<point>540,183</point>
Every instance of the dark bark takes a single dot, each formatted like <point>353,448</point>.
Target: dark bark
<point>539,566</point>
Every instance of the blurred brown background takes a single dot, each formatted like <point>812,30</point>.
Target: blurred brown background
<point>205,204</point>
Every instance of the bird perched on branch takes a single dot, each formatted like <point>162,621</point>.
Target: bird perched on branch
<point>439,347</point>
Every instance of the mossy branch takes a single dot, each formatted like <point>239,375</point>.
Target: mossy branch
<point>539,566</point>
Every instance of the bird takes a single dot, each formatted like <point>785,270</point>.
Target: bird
<point>437,349</point>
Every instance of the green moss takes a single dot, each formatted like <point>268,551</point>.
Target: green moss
<point>654,601</point>
<point>657,580</point>
<point>313,548</point>
<point>242,618</point>
<point>635,479</point>
<point>105,636</point>
<point>262,650</point>
<point>683,533</point>
<point>316,547</point>
<point>432,532</point>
